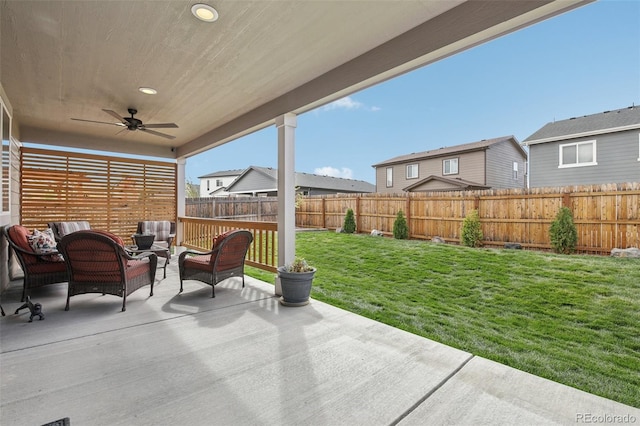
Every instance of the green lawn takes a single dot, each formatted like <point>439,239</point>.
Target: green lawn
<point>570,318</point>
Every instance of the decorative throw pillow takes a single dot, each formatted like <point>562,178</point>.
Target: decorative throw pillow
<point>43,242</point>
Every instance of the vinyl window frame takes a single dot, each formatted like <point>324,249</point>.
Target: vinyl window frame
<point>389,176</point>
<point>593,162</point>
<point>413,167</point>
<point>450,161</point>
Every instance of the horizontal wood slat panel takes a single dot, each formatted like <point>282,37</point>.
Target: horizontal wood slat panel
<point>111,193</point>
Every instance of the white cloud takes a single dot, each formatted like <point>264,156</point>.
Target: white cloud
<point>332,171</point>
<point>344,103</point>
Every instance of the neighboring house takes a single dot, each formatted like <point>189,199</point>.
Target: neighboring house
<point>214,184</point>
<point>593,149</point>
<point>489,163</point>
<point>263,181</point>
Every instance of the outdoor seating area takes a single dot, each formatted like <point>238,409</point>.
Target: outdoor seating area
<point>243,358</point>
<point>90,260</point>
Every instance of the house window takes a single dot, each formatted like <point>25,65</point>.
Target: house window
<point>389,177</point>
<point>450,166</point>
<point>638,146</point>
<point>412,171</point>
<point>218,182</point>
<point>515,170</point>
<point>578,154</point>
<point>208,189</point>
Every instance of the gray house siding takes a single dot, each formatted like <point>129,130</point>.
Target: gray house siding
<point>470,167</point>
<point>254,181</point>
<point>616,156</point>
<point>500,159</point>
<point>485,163</point>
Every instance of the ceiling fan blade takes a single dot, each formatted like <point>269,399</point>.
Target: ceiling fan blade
<point>153,132</point>
<point>114,114</point>
<point>99,122</point>
<point>122,130</point>
<point>161,126</point>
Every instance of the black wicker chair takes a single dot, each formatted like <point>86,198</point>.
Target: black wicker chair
<point>98,263</point>
<point>225,260</point>
<point>39,269</point>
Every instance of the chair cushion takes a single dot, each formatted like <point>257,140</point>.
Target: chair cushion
<point>202,262</point>
<point>43,242</point>
<point>217,240</point>
<point>47,267</point>
<point>20,237</point>
<point>160,228</point>
<point>136,268</point>
<point>65,228</point>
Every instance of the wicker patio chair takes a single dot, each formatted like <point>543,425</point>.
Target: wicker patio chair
<point>39,269</point>
<point>225,260</point>
<point>98,263</point>
<point>164,231</point>
<point>60,229</point>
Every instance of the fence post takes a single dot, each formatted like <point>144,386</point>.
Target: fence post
<point>566,200</point>
<point>357,214</point>
<point>408,212</point>
<point>324,211</point>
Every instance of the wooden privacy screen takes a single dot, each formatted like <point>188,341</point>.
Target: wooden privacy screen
<point>111,193</point>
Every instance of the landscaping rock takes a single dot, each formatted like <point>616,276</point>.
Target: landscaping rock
<point>438,240</point>
<point>376,233</point>
<point>513,246</point>
<point>339,230</point>
<point>633,252</point>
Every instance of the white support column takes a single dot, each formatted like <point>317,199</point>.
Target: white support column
<point>181,209</point>
<point>286,125</point>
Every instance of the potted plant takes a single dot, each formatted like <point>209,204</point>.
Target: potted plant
<point>295,280</point>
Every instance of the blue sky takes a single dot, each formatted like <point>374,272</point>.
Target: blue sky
<point>582,62</point>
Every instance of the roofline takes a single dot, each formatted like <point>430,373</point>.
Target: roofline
<point>423,157</point>
<point>431,154</point>
<point>452,181</point>
<point>582,134</point>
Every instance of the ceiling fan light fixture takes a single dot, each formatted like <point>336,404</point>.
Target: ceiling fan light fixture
<point>204,12</point>
<point>148,90</point>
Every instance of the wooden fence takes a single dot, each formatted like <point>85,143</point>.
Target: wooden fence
<point>261,209</point>
<point>606,216</point>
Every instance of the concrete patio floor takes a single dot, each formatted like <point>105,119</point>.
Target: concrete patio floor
<point>243,359</point>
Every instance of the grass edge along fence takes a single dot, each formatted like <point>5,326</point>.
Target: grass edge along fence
<point>606,216</point>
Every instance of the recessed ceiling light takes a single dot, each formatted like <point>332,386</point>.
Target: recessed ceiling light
<point>204,12</point>
<point>148,90</point>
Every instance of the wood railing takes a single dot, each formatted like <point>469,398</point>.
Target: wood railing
<point>198,234</point>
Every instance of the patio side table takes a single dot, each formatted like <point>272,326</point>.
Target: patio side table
<point>158,250</point>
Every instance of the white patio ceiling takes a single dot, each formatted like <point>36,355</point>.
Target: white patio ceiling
<point>220,80</point>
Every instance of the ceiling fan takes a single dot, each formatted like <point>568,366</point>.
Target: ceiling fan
<point>133,123</point>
